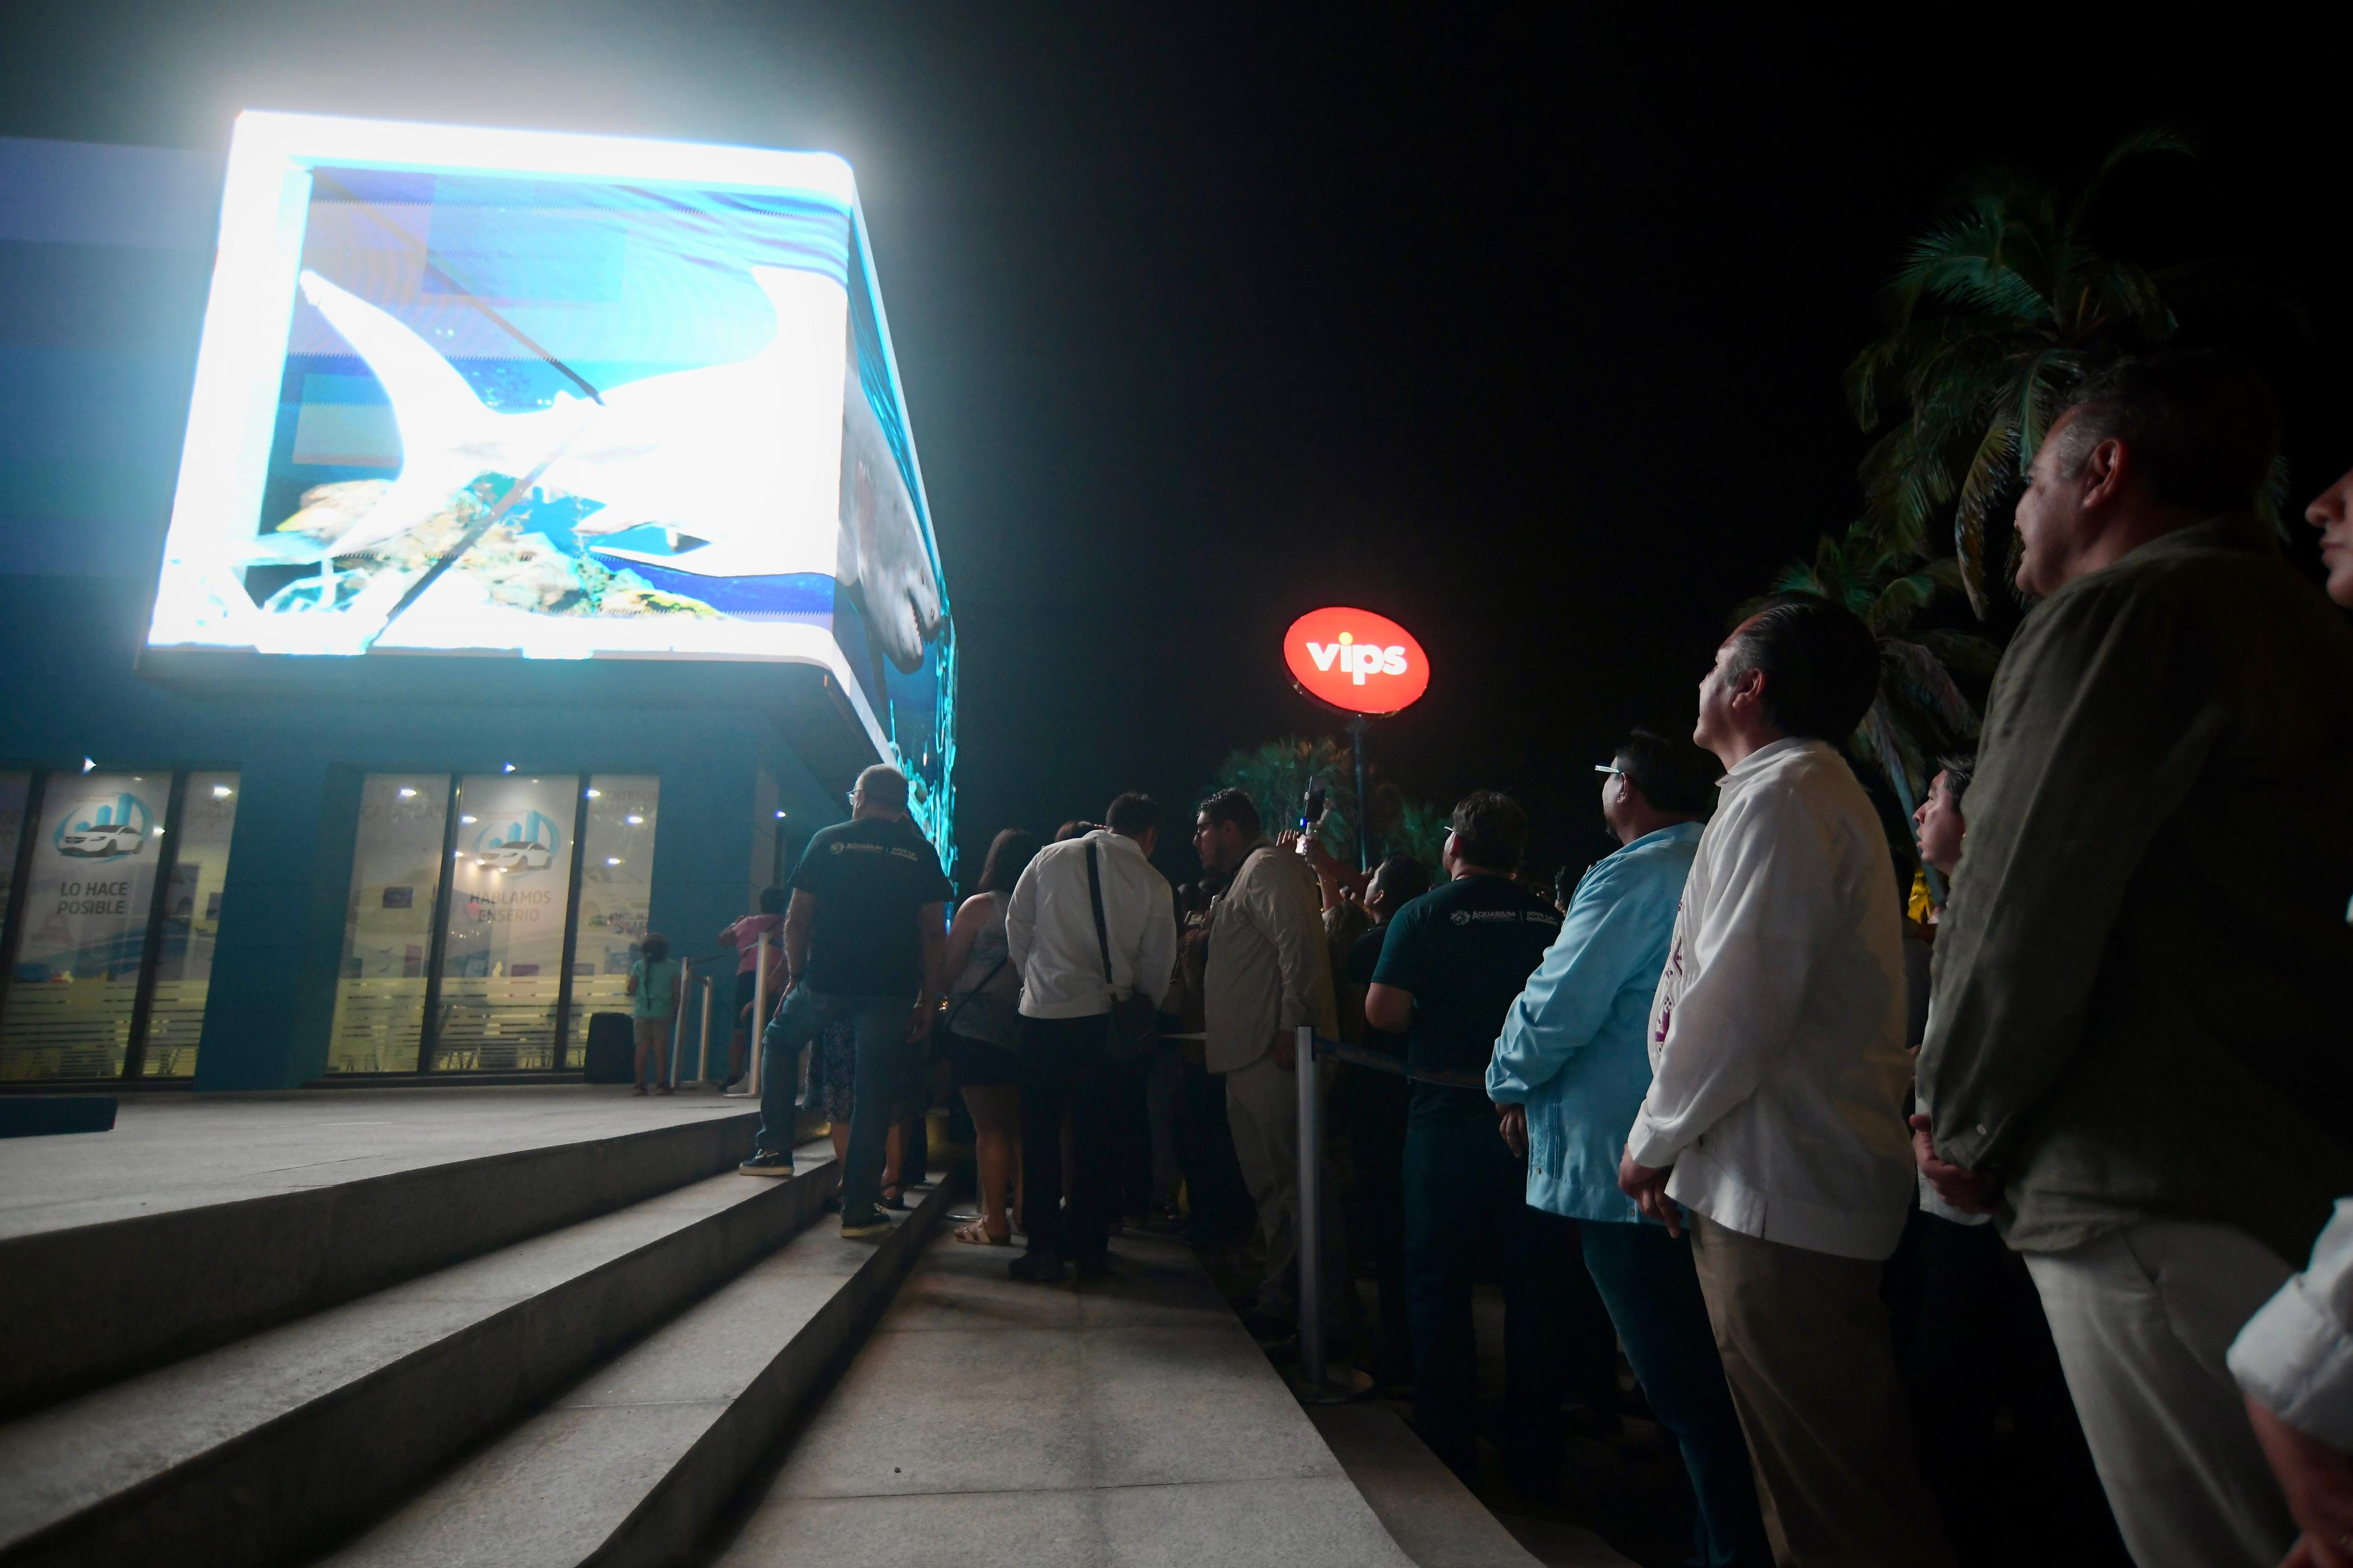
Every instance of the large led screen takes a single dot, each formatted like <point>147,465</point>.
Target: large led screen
<point>502,393</point>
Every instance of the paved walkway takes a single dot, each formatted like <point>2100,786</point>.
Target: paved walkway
<point>178,1151</point>
<point>1128,1423</point>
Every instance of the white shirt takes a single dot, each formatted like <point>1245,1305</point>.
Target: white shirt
<point>2295,1355</point>
<point>1049,928</point>
<point>1776,1034</point>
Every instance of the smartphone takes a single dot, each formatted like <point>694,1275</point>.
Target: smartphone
<point>1312,814</point>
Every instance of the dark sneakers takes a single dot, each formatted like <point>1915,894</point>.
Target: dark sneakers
<point>764,1163</point>
<point>1096,1267</point>
<point>1036,1267</point>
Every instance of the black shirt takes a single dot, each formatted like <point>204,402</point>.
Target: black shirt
<point>1465,950</point>
<point>869,877</point>
<point>1364,957</point>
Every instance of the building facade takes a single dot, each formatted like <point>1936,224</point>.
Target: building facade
<point>297,786</point>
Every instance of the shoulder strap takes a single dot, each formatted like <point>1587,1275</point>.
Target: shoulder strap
<point>1094,892</point>
<point>957,1010</point>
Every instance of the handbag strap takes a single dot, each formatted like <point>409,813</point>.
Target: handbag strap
<point>1094,893</point>
<point>957,1010</point>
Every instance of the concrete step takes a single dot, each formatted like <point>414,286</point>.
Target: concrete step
<point>82,1305</point>
<point>275,1443</point>
<point>631,1465</point>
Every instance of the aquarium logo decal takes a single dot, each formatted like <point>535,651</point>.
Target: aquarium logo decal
<point>518,845</point>
<point>104,829</point>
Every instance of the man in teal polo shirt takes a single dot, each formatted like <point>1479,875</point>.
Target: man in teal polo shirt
<point>1451,961</point>
<point>1568,1076</point>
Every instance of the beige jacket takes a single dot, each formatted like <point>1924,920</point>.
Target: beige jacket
<point>1269,969</point>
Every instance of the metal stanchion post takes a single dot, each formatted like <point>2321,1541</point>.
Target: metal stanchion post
<point>678,1016</point>
<point>759,1021</point>
<point>703,1074</point>
<point>1317,1383</point>
<point>1309,1222</point>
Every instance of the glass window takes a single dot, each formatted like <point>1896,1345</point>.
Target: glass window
<point>617,877</point>
<point>502,957</point>
<point>88,897</point>
<point>176,1014</point>
<point>388,925</point>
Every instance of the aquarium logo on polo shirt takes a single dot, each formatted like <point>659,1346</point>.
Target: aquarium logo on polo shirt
<point>104,829</point>
<point>519,845</point>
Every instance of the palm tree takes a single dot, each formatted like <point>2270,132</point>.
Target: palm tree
<point>1921,711</point>
<point>1414,827</point>
<point>1994,311</point>
<point>1276,777</point>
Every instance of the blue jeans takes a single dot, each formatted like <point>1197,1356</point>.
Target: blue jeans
<point>1647,1280</point>
<point>885,1057</point>
<point>1465,1202</point>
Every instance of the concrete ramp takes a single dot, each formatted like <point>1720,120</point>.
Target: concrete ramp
<point>1127,1423</point>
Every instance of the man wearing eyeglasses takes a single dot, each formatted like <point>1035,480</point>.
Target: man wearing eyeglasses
<point>1568,1076</point>
<point>865,939</point>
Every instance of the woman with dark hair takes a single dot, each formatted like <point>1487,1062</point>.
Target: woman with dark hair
<point>984,1027</point>
<point>653,992</point>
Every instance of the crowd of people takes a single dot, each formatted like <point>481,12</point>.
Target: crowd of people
<point>1851,1177</point>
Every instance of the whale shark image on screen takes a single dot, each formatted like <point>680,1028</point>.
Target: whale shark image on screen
<point>700,453</point>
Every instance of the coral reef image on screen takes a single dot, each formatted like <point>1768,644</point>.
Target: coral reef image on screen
<point>566,397</point>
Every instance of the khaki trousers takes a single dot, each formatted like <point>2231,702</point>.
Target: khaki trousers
<point>1805,1344</point>
<point>1262,1108</point>
<point>2142,1318</point>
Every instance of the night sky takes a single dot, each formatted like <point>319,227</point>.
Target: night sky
<point>1526,335</point>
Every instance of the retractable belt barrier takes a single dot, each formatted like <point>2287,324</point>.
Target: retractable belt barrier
<point>1316,1382</point>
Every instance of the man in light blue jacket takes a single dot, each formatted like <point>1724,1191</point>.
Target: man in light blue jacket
<point>1568,1076</point>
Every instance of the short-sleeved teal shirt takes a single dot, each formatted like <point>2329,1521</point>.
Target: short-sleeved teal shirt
<point>656,988</point>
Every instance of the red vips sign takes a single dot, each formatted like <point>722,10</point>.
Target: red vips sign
<point>1355,661</point>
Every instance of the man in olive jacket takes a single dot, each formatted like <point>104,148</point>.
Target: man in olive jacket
<point>2139,1051</point>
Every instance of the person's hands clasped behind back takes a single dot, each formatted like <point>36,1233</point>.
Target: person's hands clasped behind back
<point>1966,1190</point>
<point>2318,1482</point>
<point>1512,1124</point>
<point>1647,1185</point>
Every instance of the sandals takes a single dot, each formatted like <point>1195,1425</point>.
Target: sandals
<point>976,1234</point>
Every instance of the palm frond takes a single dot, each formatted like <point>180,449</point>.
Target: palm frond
<point>2148,142</point>
<point>1912,674</point>
<point>1965,653</point>
<point>1989,471</point>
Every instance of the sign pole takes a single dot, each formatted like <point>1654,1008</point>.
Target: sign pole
<point>1357,728</point>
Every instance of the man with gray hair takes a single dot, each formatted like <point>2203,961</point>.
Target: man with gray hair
<point>865,939</point>
<point>2137,1051</point>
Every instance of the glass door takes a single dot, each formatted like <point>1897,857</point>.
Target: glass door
<point>502,964</point>
<point>617,886</point>
<point>396,878</point>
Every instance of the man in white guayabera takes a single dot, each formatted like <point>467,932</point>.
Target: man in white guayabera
<point>1775,1108</point>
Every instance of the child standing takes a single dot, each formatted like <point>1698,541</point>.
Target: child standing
<point>653,990</point>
